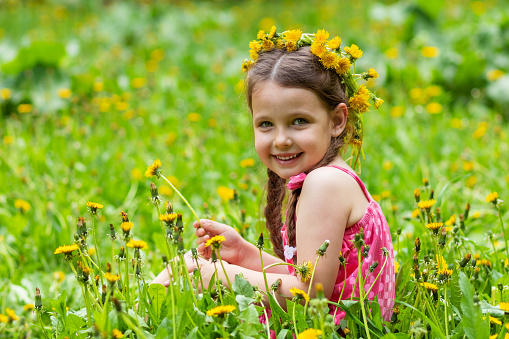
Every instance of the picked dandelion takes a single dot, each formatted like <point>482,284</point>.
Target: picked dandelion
<point>305,271</point>
<point>215,242</point>
<point>259,243</point>
<point>373,266</point>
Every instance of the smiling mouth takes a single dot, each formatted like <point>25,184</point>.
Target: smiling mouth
<point>286,157</point>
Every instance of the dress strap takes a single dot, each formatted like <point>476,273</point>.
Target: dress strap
<point>356,177</point>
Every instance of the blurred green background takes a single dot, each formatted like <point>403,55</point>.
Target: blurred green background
<point>92,92</point>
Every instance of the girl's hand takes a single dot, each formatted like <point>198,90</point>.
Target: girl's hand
<point>231,248</point>
<point>207,270</point>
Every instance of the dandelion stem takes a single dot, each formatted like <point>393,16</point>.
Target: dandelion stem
<point>264,273</point>
<point>184,199</point>
<point>126,280</point>
<point>97,249</point>
<point>194,325</point>
<point>503,230</point>
<point>311,283</point>
<point>266,320</point>
<point>342,290</point>
<point>378,275</point>
<point>218,284</point>
<point>295,321</point>
<point>133,327</point>
<point>446,318</point>
<point>188,278</point>
<point>172,296</point>
<point>361,294</point>
<point>42,324</point>
<point>224,270</point>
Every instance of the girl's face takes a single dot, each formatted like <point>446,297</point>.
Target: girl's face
<point>292,128</point>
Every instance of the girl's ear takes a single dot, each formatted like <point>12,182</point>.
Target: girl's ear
<point>339,118</point>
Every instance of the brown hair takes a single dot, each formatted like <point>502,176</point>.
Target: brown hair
<point>300,69</point>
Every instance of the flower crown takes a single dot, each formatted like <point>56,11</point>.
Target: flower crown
<point>332,58</point>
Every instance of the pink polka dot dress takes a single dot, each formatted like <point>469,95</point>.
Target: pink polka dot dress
<point>377,235</point>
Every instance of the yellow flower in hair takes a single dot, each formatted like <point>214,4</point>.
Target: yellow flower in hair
<point>253,54</point>
<point>261,34</point>
<point>246,65</point>
<point>343,66</point>
<point>330,60</point>
<point>267,45</point>
<point>372,73</point>
<point>305,271</point>
<point>291,46</point>
<point>318,49</point>
<point>359,102</point>
<point>321,36</point>
<point>354,51</point>
<point>378,103</point>
<point>334,43</point>
<point>292,35</point>
<point>255,45</point>
<point>272,32</point>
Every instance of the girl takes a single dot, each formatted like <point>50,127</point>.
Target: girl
<point>299,98</point>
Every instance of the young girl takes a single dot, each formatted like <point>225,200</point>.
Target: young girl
<point>306,109</point>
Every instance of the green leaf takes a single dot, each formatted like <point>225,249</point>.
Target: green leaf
<point>243,301</point>
<point>490,309</point>
<point>396,336</point>
<point>250,324</point>
<point>283,334</point>
<point>242,286</point>
<point>472,318</point>
<point>157,294</point>
<point>74,323</point>
<point>38,53</point>
<point>455,290</point>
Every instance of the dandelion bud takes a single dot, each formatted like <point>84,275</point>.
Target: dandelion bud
<point>235,196</point>
<point>443,236</point>
<point>417,195</point>
<point>476,299</point>
<point>417,245</point>
<point>121,253</point>
<point>38,299</point>
<point>243,215</point>
<point>417,273</point>
<point>169,207</point>
<point>180,223</point>
<point>117,303</point>
<point>398,231</point>
<point>416,258</point>
<point>500,287</point>
<point>435,295</point>
<point>425,275</point>
<point>476,272</point>
<point>425,181</point>
<point>365,252</point>
<point>465,260</point>
<point>431,194</point>
<point>321,251</point>
<point>82,227</point>
<point>113,235</point>
<point>373,266</point>
<point>462,222</point>
<point>108,267</point>
<point>259,243</point>
<point>319,290</point>
<point>180,244</point>
<point>153,190</point>
<point>342,259</point>
<point>275,286</point>
<point>194,253</point>
<point>103,294</point>
<point>165,260</point>
<point>124,216</point>
<point>467,210</point>
<point>439,214</point>
<point>385,251</point>
<point>426,258</point>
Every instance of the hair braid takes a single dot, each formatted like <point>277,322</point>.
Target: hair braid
<point>276,191</point>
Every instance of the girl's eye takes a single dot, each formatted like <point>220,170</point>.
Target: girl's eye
<point>300,121</point>
<point>265,124</point>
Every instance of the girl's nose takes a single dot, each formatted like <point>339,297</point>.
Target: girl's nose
<point>282,139</point>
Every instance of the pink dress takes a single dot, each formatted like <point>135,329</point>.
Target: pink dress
<point>377,235</point>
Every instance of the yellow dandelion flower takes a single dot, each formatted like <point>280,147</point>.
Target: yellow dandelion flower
<point>225,193</point>
<point>291,46</point>
<point>396,267</point>
<point>168,218</point>
<point>112,278</point>
<point>372,73</point>
<point>504,306</point>
<point>66,249</point>
<point>305,271</point>
<point>486,262</point>
<point>360,101</point>
<point>5,93</point>
<point>310,333</point>
<point>25,108</point>
<point>397,111</point>
<point>446,272</point>
<point>28,307</point>
<point>416,213</point>
<point>139,244</point>
<point>334,43</point>
<point>138,82</point>
<point>267,45</point>
<point>494,320</point>
<point>255,46</point>
<point>221,311</point>
<point>126,226</point>
<point>329,60</point>
<point>194,117</point>
<point>246,65</point>
<point>253,54</point>
<point>22,205</point>
<point>249,162</point>
<point>272,32</point>
<point>321,36</point>
<point>300,294</point>
<point>318,49</point>
<point>378,103</point>
<point>292,35</point>
<point>4,318</point>
<point>354,51</point>
<point>492,197</point>
<point>59,276</point>
<point>154,169</point>
<point>494,74</point>
<point>215,241</point>
<point>261,34</point>
<point>343,66</point>
<point>433,91</point>
<point>435,226</point>
<point>98,86</point>
<point>392,53</point>
<point>8,140</point>
<point>430,51</point>
<point>426,204</point>
<point>434,108</point>
<point>93,206</point>
<point>117,334</point>
<point>91,251</point>
<point>64,93</point>
<point>11,314</point>
<point>430,287</point>
<point>451,221</point>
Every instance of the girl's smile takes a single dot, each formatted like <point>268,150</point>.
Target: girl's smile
<point>292,128</point>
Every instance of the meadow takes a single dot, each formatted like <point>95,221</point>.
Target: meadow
<point>92,93</point>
